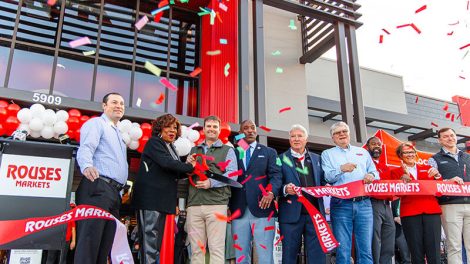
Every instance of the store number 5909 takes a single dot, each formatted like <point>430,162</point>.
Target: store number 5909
<point>47,99</point>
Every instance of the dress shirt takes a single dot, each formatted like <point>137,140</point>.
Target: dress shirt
<point>432,162</point>
<point>251,149</point>
<point>231,167</point>
<point>102,147</point>
<point>333,158</point>
<point>413,171</point>
<point>299,156</point>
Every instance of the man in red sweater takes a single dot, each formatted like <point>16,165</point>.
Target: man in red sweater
<point>383,240</point>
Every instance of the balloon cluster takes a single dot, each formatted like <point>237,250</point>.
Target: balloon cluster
<point>131,133</point>
<point>8,120</point>
<point>187,140</point>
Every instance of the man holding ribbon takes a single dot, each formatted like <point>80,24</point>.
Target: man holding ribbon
<point>300,168</point>
<point>453,164</point>
<point>344,164</point>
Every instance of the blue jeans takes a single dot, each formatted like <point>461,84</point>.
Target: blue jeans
<point>348,218</point>
<point>242,227</point>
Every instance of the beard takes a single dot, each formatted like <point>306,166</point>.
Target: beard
<point>375,153</point>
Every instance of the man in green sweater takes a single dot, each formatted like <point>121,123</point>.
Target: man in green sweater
<point>209,198</point>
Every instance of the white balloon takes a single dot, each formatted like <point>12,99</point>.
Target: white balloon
<point>126,138</point>
<point>193,135</point>
<point>134,144</point>
<point>49,117</point>
<point>183,146</point>
<point>135,133</point>
<point>36,124</point>
<point>35,134</point>
<point>47,132</point>
<point>60,127</point>
<point>62,115</point>
<point>37,110</point>
<point>184,131</point>
<point>24,127</point>
<point>135,124</point>
<point>24,115</point>
<point>125,126</point>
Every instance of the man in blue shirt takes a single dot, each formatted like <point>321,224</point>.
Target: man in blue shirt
<point>344,164</point>
<point>102,158</point>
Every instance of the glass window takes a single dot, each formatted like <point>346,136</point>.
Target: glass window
<point>112,79</point>
<point>31,71</point>
<point>80,20</point>
<point>147,88</point>
<point>4,53</point>
<point>7,16</point>
<point>38,22</point>
<point>73,78</point>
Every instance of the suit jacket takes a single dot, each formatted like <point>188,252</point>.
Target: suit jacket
<point>289,207</point>
<point>416,205</point>
<point>155,187</point>
<point>262,163</point>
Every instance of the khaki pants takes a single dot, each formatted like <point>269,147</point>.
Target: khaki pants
<point>202,225</point>
<point>456,223</point>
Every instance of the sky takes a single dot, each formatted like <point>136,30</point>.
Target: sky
<point>432,63</point>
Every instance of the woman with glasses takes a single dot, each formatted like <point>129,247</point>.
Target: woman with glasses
<point>420,215</point>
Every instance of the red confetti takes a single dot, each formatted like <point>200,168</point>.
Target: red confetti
<point>160,99</point>
<point>203,248</point>
<point>236,173</point>
<point>404,25</point>
<point>448,115</point>
<point>386,31</point>
<point>265,128</point>
<point>269,228</point>
<point>221,217</point>
<point>289,201</point>
<point>285,109</point>
<point>420,9</point>
<point>458,116</point>
<point>434,124</point>
<point>415,28</point>
<point>279,240</point>
<point>260,178</point>
<point>253,229</point>
<point>51,2</point>
<point>416,99</point>
<point>276,205</point>
<point>446,107</point>
<point>381,39</point>
<point>263,246</point>
<point>195,72</point>
<point>270,215</point>
<point>260,186</point>
<point>246,179</point>
<point>241,258</point>
<point>236,214</point>
<point>223,165</point>
<point>452,118</point>
<point>450,33</point>
<point>235,237</point>
<point>465,46</point>
<point>454,24</point>
<point>237,246</point>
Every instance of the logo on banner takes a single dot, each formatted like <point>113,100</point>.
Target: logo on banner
<point>33,176</point>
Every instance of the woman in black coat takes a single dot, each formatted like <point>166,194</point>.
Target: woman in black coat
<point>155,188</point>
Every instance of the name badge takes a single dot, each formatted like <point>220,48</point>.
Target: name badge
<point>359,154</point>
<point>261,156</point>
<point>443,162</point>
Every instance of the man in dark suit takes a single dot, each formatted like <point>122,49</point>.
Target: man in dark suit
<point>257,209</point>
<point>302,168</point>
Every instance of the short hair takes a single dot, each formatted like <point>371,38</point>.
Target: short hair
<point>444,129</point>
<point>299,127</point>
<point>336,125</point>
<point>245,121</point>
<point>106,97</point>
<point>212,118</point>
<point>399,150</point>
<point>165,121</point>
<point>370,139</point>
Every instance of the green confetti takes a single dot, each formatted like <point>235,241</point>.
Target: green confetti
<point>278,162</point>
<point>152,68</point>
<point>184,1</point>
<point>213,14</point>
<point>241,152</point>
<point>279,70</point>
<point>304,171</point>
<point>276,53</point>
<point>204,12</point>
<point>287,161</point>
<point>292,25</point>
<point>226,68</point>
<point>172,2</point>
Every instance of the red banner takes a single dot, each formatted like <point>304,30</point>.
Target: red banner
<point>11,230</point>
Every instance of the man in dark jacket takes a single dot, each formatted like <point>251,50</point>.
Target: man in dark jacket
<point>454,166</point>
<point>257,208</point>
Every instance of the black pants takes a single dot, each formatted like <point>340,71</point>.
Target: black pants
<point>151,227</point>
<point>401,245</point>
<point>383,239</point>
<point>423,236</point>
<point>95,236</point>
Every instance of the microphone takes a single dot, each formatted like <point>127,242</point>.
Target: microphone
<point>19,135</point>
<point>64,139</point>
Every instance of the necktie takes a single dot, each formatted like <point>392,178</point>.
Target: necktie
<point>248,156</point>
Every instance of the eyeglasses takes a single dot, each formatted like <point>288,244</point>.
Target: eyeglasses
<point>345,131</point>
<point>409,153</point>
